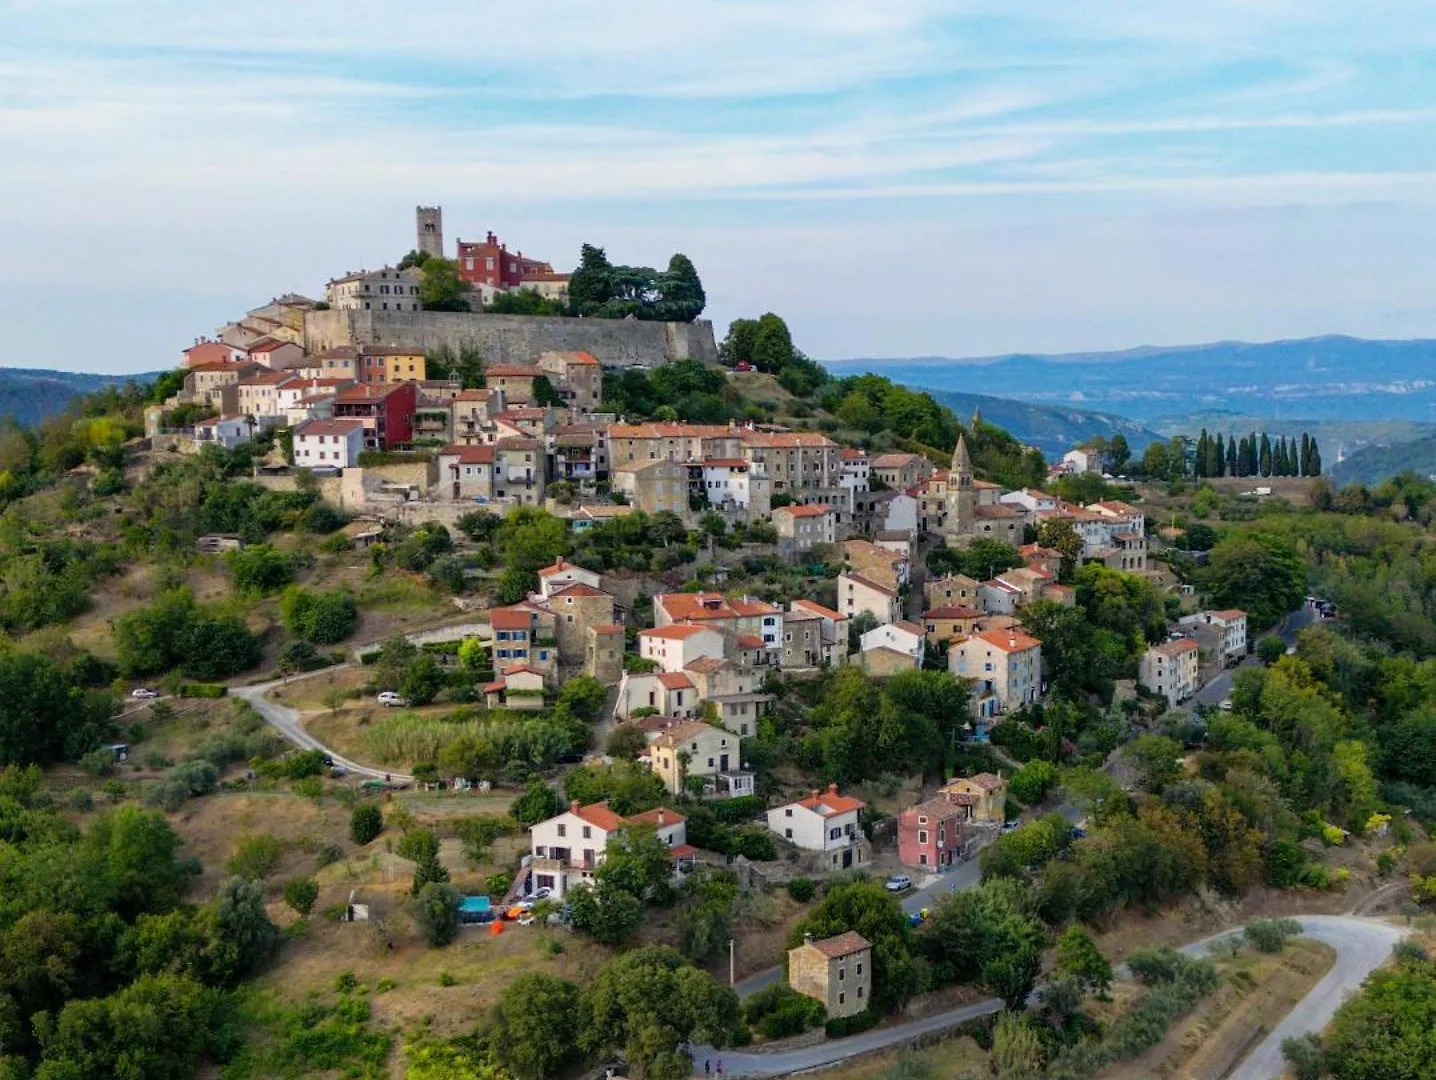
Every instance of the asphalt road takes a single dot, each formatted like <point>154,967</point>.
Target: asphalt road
<point>1220,687</point>
<point>287,722</point>
<point>1361,946</point>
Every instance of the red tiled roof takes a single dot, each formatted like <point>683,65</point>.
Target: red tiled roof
<point>578,588</point>
<point>844,944</point>
<point>572,357</point>
<point>682,851</point>
<point>609,628</point>
<point>832,801</point>
<point>894,461</point>
<point>1230,613</point>
<point>364,392</point>
<point>1008,640</point>
<point>803,511</point>
<point>675,680</point>
<point>753,607</point>
<point>910,627</point>
<point>557,568</point>
<point>513,371</point>
<point>1176,648</point>
<point>672,431</point>
<point>469,455</point>
<point>510,618</point>
<point>268,345</point>
<point>514,669</point>
<point>598,814</point>
<point>750,641</point>
<point>787,440</point>
<point>869,582</point>
<point>725,463</point>
<point>818,609</point>
<point>650,817</point>
<point>676,632</point>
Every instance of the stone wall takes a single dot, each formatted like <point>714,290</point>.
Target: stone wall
<point>515,339</point>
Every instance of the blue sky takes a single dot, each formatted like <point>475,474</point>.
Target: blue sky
<point>896,177</point>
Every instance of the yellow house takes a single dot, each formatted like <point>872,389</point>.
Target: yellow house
<point>393,364</point>
<point>989,792</point>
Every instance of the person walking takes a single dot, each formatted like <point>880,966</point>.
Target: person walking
<point>707,1066</point>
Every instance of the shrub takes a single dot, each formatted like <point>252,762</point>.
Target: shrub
<point>256,857</point>
<point>1305,1057</point>
<point>1269,935</point>
<point>301,894</point>
<point>199,777</point>
<point>202,690</point>
<point>98,762</point>
<point>80,799</point>
<point>778,1011</point>
<point>327,855</point>
<point>436,910</point>
<point>839,1026</point>
<point>366,821</point>
<point>498,884</point>
<point>802,889</point>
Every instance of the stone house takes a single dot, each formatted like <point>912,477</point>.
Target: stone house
<point>955,590</point>
<point>696,749</point>
<point>857,594</point>
<point>515,380</point>
<point>1169,670</point>
<point>883,661</point>
<point>577,376</point>
<point>1005,667</point>
<point>603,653</point>
<point>653,486</point>
<point>576,609</point>
<point>563,573</point>
<point>834,628</point>
<point>942,624</point>
<point>901,471</point>
<point>799,528</point>
<point>518,686</point>
<point>837,971</point>
<point>988,793</point>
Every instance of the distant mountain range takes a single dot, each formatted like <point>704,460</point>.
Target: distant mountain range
<point>31,394</point>
<point>1326,378</point>
<point>1052,429</point>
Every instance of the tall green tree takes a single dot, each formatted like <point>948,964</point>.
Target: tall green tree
<point>441,288</point>
<point>536,1025</point>
<point>1264,455</point>
<point>865,908</point>
<point>1231,456</point>
<point>590,286</point>
<point>1119,452</point>
<point>683,296</point>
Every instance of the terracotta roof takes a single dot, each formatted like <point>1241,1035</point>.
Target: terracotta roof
<point>558,568</point>
<point>266,345</point>
<point>988,781</point>
<point>511,618</point>
<point>959,611</point>
<point>803,511</point>
<point>1230,613</point>
<point>683,731</point>
<point>609,628</point>
<point>672,431</point>
<point>572,357</point>
<point>513,442</point>
<point>830,802</point>
<point>744,606</point>
<point>787,440</point>
<point>512,371</point>
<point>597,814</point>
<point>675,632</point>
<point>851,454</point>
<point>1116,507</point>
<point>328,427</point>
<point>845,944</point>
<point>339,352</point>
<point>1176,648</point>
<point>894,461</point>
<point>750,641</point>
<point>1008,640</point>
<point>682,851</point>
<point>695,606</point>
<point>675,680</point>
<point>514,669</point>
<point>818,609</point>
<point>705,665</point>
<point>495,687</point>
<point>474,395</point>
<point>941,805</point>
<point>910,627</point>
<point>725,463</point>
<point>469,455</point>
<point>364,392</point>
<point>651,817</point>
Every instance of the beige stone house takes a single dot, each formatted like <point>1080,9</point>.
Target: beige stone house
<point>838,971</point>
<point>603,653</point>
<point>1170,670</point>
<point>1005,667</point>
<point>955,590</point>
<point>799,528</point>
<point>988,792</point>
<point>901,471</point>
<point>653,486</point>
<point>696,749</point>
<point>857,594</point>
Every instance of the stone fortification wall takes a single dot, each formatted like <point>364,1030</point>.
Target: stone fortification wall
<point>515,339</point>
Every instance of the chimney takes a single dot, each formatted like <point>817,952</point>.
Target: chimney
<point>662,818</point>
<point>814,794</point>
<point>807,938</point>
<point>832,789</point>
<point>573,807</point>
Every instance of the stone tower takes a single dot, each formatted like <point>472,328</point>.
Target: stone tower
<point>430,220</point>
<point>961,495</point>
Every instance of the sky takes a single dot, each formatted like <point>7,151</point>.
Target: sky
<point>894,177</point>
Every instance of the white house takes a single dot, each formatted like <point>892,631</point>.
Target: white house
<point>824,821</point>
<point>227,431</point>
<point>671,693</point>
<point>555,577</point>
<point>902,636</point>
<point>857,594</point>
<point>673,648</point>
<point>1222,633</point>
<point>566,849</point>
<point>1170,670</point>
<point>725,483</point>
<point>334,444</point>
<point>1082,461</point>
<point>1031,500</point>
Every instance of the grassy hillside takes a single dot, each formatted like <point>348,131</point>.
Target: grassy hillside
<point>1051,428</point>
<point>1376,462</point>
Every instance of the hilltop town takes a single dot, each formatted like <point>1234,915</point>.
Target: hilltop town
<point>547,645</point>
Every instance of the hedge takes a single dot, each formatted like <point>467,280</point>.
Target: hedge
<point>839,1026</point>
<point>202,690</point>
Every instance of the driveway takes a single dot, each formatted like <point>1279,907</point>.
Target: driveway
<point>1361,946</point>
<point>288,723</point>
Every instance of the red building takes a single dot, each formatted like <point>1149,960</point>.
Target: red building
<point>492,263</point>
<point>931,835</point>
<point>387,410</point>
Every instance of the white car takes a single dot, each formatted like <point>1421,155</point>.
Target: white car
<point>144,695</point>
<point>388,697</point>
<point>1225,705</point>
<point>898,883</point>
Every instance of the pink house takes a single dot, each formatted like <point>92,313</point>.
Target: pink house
<point>930,834</point>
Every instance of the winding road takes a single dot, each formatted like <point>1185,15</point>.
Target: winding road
<point>288,723</point>
<point>1361,946</point>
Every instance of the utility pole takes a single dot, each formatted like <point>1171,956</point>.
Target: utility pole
<point>732,967</point>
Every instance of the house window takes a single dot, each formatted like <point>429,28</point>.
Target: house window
<point>563,830</point>
<point>587,833</point>
<point>841,998</point>
<point>788,812</point>
<point>922,836</point>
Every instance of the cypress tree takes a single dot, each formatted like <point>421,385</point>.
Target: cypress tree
<point>1305,455</point>
<point>1279,464</point>
<point>1219,456</point>
<point>1253,456</point>
<point>1199,467</point>
<point>1231,455</point>
<point>1264,455</point>
<point>1315,459</point>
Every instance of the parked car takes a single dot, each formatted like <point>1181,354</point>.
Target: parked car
<point>1009,826</point>
<point>543,892</point>
<point>388,697</point>
<point>898,883</point>
<point>143,694</point>
<point>1225,705</point>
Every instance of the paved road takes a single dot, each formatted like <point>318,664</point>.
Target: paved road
<point>1220,687</point>
<point>287,722</point>
<point>1361,946</point>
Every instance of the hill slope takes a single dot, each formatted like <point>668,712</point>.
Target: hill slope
<point>1374,463</point>
<point>1319,378</point>
<point>1052,429</point>
<point>31,394</point>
